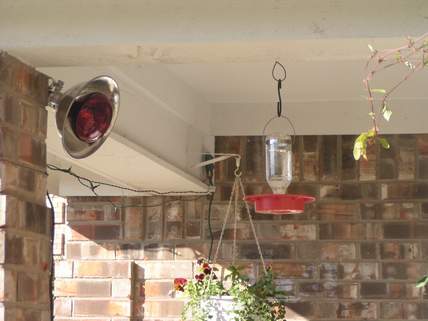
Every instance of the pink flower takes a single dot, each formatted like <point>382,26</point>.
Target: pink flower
<point>200,277</point>
<point>179,284</point>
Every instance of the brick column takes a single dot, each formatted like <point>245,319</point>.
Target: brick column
<point>24,219</point>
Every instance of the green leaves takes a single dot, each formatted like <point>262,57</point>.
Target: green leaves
<point>386,112</point>
<point>422,282</point>
<point>365,139</point>
<point>384,143</point>
<point>360,146</point>
<point>378,91</point>
<point>258,301</point>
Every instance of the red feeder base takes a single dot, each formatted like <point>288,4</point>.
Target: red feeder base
<point>279,203</point>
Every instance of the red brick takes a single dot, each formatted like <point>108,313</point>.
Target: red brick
<point>423,167</point>
<point>310,158</point>
<point>23,79</point>
<point>243,231</point>
<point>368,251</point>
<point>94,232</point>
<point>14,252</point>
<point>406,164</point>
<point>403,291</point>
<point>121,288</point>
<point>8,144</point>
<point>32,151</point>
<point>157,251</point>
<point>163,308</point>
<point>328,158</point>
<point>35,218</point>
<point>357,310</point>
<point>342,231</point>
<point>164,269</point>
<point>286,231</point>
<point>338,251</point>
<point>8,285</point>
<point>338,211</point>
<point>270,251</point>
<point>404,311</point>
<point>80,213</point>
<point>107,307</point>
<point>308,250</point>
<point>155,289</point>
<point>294,270</point>
<point>349,271</point>
<point>133,223</point>
<point>63,269</point>
<point>328,289</point>
<point>193,230</point>
<point>348,164</point>
<point>368,167</point>
<point>399,251</point>
<point>130,251</point>
<point>154,221</point>
<point>113,269</point>
<point>371,290</point>
<point>173,230</point>
<point>403,270</point>
<point>301,309</point>
<point>28,287</point>
<point>62,307</point>
<point>10,109</point>
<point>90,250</point>
<point>82,288</point>
<point>194,209</point>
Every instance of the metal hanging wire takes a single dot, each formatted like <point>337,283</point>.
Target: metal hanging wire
<point>237,189</point>
<point>279,79</point>
<point>279,74</point>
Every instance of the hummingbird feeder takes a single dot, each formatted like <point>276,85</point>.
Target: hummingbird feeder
<point>279,166</point>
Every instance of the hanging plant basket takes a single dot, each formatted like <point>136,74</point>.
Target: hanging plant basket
<point>237,299</point>
<point>234,297</point>
<point>221,308</point>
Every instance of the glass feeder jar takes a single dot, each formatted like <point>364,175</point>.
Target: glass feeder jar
<point>279,162</point>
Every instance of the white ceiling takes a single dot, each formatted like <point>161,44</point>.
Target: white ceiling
<point>306,81</point>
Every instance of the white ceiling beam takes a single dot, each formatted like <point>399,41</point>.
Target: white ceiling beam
<point>318,118</point>
<point>60,33</point>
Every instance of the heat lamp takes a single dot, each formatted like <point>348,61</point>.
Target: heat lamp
<point>85,114</point>
<point>279,166</point>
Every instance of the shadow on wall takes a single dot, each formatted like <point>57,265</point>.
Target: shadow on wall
<point>106,268</point>
<point>354,254</point>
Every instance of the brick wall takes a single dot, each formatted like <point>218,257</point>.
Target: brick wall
<point>355,254</point>
<point>24,219</point>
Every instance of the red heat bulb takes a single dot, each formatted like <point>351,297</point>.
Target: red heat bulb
<point>92,118</point>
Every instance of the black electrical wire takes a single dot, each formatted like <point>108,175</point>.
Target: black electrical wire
<point>210,176</point>
<point>52,264</point>
<point>210,229</point>
<point>93,185</point>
